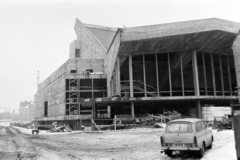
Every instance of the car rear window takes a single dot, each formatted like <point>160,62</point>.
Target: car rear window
<point>179,127</point>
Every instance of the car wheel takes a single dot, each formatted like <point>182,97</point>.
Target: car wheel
<point>210,146</point>
<point>202,150</point>
<point>168,153</point>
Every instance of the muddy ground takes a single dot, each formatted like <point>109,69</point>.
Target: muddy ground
<point>137,144</point>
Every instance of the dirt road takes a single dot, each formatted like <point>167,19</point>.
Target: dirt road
<point>14,145</point>
<point>131,144</point>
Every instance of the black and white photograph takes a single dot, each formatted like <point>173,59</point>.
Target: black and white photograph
<point>120,80</point>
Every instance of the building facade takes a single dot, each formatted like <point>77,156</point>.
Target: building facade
<point>133,71</point>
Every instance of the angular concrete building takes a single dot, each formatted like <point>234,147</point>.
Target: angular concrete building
<point>180,66</point>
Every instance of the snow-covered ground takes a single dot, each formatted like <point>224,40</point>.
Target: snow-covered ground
<point>223,146</point>
<point>140,143</point>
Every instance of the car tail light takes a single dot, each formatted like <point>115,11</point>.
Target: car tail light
<point>162,140</point>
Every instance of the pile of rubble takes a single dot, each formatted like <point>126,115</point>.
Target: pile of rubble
<point>60,128</point>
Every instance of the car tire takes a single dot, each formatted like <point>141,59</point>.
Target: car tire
<point>202,150</point>
<point>210,146</point>
<point>168,153</point>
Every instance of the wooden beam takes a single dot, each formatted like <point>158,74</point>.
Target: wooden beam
<point>229,76</point>
<point>195,73</point>
<point>144,77</point>
<point>169,75</point>
<point>221,73</point>
<point>182,76</point>
<point>213,75</point>
<point>130,75</point>
<point>156,60</point>
<point>204,74</point>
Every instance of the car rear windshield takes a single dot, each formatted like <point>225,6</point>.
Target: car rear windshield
<point>179,127</point>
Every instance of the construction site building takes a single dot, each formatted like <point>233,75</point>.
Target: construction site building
<point>180,66</point>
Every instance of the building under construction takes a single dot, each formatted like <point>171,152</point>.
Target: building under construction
<point>180,66</point>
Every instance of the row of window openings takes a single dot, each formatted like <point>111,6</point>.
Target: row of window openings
<point>86,84</point>
<point>76,97</point>
<point>182,88</point>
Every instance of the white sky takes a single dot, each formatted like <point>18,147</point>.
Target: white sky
<point>35,35</point>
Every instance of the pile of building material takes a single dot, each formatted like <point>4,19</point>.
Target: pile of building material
<point>211,114</point>
<point>60,128</point>
<point>119,125</point>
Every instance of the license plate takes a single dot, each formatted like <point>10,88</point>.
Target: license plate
<point>179,145</point>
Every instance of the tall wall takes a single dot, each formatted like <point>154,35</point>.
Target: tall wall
<point>53,88</point>
<point>236,54</point>
<point>111,58</point>
<point>90,46</point>
<point>80,65</point>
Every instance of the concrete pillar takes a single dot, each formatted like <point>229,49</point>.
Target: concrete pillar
<point>95,111</point>
<point>130,76</point>
<point>132,110</point>
<point>236,54</point>
<point>118,81</point>
<point>195,73</point>
<point>198,109</point>
<point>144,77</point>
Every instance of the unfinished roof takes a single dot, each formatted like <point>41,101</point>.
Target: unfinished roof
<point>102,33</point>
<point>209,35</point>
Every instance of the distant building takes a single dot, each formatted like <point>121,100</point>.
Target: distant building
<point>133,71</point>
<point>4,113</point>
<point>24,114</point>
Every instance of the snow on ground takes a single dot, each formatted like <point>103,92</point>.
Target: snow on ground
<point>139,143</point>
<point>43,132</point>
<point>223,146</point>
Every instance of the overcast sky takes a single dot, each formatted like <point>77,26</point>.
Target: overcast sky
<point>35,35</point>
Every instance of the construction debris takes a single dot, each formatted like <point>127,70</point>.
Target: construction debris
<point>60,128</point>
<point>223,122</point>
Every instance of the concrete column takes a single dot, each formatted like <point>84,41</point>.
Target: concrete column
<point>195,73</point>
<point>157,78</point>
<point>130,76</point>
<point>198,109</point>
<point>144,77</point>
<point>95,111</point>
<point>132,110</point>
<point>118,81</point>
<point>236,54</point>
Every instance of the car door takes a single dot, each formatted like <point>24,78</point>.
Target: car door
<point>208,134</point>
<point>200,133</point>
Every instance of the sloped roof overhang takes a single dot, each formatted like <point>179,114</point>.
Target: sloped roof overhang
<point>209,35</point>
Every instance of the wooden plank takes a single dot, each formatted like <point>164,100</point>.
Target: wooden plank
<point>144,77</point>
<point>130,75</point>
<point>156,59</point>
<point>229,76</point>
<point>213,75</point>
<point>221,73</point>
<point>195,73</point>
<point>182,77</point>
<point>169,75</point>
<point>204,73</point>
